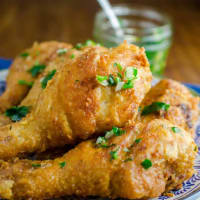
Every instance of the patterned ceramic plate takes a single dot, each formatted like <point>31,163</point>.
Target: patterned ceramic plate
<point>191,187</point>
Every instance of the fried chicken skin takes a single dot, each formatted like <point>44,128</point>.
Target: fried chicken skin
<point>138,164</point>
<point>80,101</point>
<point>39,54</point>
<point>183,106</point>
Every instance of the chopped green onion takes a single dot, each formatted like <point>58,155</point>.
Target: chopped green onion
<point>120,68</point>
<point>17,113</point>
<point>128,159</point>
<point>100,140</point>
<point>72,56</point>
<point>23,82</point>
<point>48,77</point>
<point>61,51</point>
<point>36,165</point>
<point>24,55</point>
<point>114,154</point>
<point>109,134</point>
<point>87,43</point>
<point>111,80</point>
<point>138,140</point>
<point>118,131</point>
<point>176,129</point>
<point>62,164</point>
<point>36,69</point>
<point>146,164</point>
<point>130,73</point>
<point>154,107</point>
<point>102,80</point>
<point>126,150</point>
<point>128,85</point>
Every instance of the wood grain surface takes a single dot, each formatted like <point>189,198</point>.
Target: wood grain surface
<point>24,21</point>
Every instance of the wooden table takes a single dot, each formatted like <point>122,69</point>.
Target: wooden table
<point>25,21</point>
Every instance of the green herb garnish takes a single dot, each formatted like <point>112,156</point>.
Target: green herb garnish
<point>17,113</point>
<point>131,73</point>
<point>24,55</point>
<point>87,43</point>
<point>138,140</point>
<point>23,82</point>
<point>36,165</point>
<point>111,80</point>
<point>36,69</point>
<point>72,56</point>
<point>48,77</point>
<point>154,107</point>
<point>102,80</point>
<point>126,150</point>
<point>61,51</point>
<point>115,131</point>
<point>62,164</point>
<point>114,154</point>
<point>146,164</point>
<point>128,85</point>
<point>176,129</point>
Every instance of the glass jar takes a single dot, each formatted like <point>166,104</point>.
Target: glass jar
<point>142,26</point>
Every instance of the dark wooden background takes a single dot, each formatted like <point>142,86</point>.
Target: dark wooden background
<point>24,21</point>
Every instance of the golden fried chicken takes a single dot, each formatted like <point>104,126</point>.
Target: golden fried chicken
<point>131,163</point>
<point>183,106</point>
<point>99,89</point>
<point>25,69</point>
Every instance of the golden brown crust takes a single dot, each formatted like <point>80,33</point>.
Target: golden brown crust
<point>43,53</point>
<point>68,110</point>
<point>183,110</point>
<point>90,171</point>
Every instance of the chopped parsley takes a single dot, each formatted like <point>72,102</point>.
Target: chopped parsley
<point>87,43</point>
<point>114,154</point>
<point>62,164</point>
<point>102,142</point>
<point>155,107</point>
<point>61,51</point>
<point>102,80</point>
<point>126,150</point>
<point>146,164</point>
<point>23,82</point>
<point>48,77</point>
<point>36,165</point>
<point>128,160</point>
<point>111,80</point>
<point>72,56</point>
<point>17,113</point>
<point>36,69</point>
<point>121,83</point>
<point>176,129</point>
<point>128,85</point>
<point>115,131</point>
<point>24,55</point>
<point>138,140</point>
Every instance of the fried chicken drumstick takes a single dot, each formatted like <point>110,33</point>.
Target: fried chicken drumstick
<point>37,56</point>
<point>98,89</point>
<point>141,161</point>
<point>134,165</point>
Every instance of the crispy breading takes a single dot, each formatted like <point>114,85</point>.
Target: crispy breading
<point>74,106</point>
<point>41,53</point>
<point>183,110</point>
<point>88,170</point>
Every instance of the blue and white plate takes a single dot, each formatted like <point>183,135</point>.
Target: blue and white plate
<point>191,187</point>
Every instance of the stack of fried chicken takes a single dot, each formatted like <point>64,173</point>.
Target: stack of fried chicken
<point>122,138</point>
